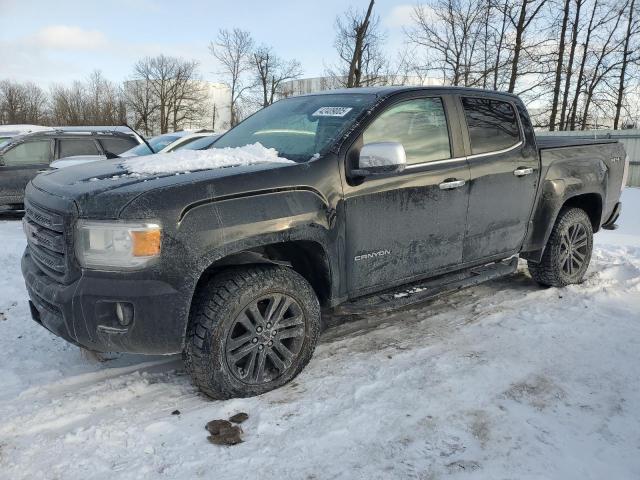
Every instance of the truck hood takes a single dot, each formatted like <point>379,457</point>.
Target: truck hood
<point>103,189</point>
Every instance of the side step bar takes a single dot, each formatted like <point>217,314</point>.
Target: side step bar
<point>418,292</point>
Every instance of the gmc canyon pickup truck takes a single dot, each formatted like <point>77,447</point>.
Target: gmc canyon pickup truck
<point>392,195</point>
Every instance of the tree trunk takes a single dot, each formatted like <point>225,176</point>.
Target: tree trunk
<point>623,68</point>
<point>517,46</point>
<point>572,54</point>
<point>353,79</point>
<point>500,45</point>
<point>583,61</point>
<point>558,79</point>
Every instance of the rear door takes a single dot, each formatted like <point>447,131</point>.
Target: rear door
<point>19,165</point>
<point>410,224</point>
<point>504,173</point>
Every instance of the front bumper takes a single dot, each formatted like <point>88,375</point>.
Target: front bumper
<point>83,312</point>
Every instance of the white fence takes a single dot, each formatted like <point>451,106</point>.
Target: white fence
<point>629,138</point>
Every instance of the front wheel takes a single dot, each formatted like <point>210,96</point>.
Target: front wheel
<point>567,253</point>
<point>251,330</point>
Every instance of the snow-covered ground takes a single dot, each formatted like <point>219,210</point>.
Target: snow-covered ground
<point>505,380</point>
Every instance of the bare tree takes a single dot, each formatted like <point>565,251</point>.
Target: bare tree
<point>358,43</point>
<point>166,90</point>
<point>559,65</point>
<point>141,104</point>
<point>271,72</point>
<point>22,103</point>
<point>105,101</point>
<point>452,33</point>
<point>595,23</point>
<point>526,13</point>
<point>631,34</point>
<point>572,53</point>
<point>96,101</point>
<point>233,50</point>
<point>69,104</point>
<point>603,63</point>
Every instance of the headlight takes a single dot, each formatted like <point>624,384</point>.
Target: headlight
<point>119,245</point>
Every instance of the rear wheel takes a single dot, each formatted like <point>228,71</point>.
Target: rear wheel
<point>251,330</point>
<point>568,252</point>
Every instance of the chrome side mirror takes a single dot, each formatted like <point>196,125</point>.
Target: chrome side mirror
<point>381,158</point>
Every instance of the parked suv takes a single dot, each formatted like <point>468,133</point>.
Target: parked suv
<point>165,143</point>
<point>24,156</point>
<point>354,201</point>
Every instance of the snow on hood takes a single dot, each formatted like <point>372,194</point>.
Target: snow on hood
<point>190,160</point>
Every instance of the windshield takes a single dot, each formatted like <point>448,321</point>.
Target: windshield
<point>299,127</point>
<point>157,143</point>
<point>199,143</point>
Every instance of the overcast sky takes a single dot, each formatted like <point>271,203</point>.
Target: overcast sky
<point>62,40</point>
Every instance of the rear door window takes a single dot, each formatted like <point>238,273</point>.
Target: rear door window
<point>69,147</point>
<point>117,145</point>
<point>29,153</point>
<point>493,124</point>
<point>420,125</point>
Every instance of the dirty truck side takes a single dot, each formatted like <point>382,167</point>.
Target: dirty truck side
<point>388,189</point>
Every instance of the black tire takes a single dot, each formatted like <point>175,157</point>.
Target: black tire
<point>568,251</point>
<point>223,316</point>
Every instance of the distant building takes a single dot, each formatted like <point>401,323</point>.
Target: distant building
<point>217,112</point>
<point>317,84</point>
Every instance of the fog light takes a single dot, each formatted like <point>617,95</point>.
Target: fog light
<point>124,312</point>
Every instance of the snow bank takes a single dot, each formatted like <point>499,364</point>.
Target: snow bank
<point>190,160</point>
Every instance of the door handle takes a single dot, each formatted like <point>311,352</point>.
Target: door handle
<point>42,171</point>
<point>522,171</point>
<point>451,184</point>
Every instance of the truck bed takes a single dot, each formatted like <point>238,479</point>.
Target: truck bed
<point>546,142</point>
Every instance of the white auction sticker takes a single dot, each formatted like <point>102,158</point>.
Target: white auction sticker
<point>332,111</point>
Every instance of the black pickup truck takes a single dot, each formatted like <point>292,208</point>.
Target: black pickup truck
<point>391,196</point>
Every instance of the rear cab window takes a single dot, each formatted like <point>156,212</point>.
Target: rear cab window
<point>420,125</point>
<point>492,124</point>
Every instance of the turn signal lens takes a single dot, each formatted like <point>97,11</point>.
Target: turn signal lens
<point>145,243</point>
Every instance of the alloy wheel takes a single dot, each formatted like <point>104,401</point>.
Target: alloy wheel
<point>574,249</point>
<point>265,338</point>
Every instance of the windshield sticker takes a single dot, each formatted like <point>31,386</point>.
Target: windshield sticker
<point>331,111</point>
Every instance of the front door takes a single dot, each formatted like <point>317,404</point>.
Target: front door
<point>19,165</point>
<point>504,174</point>
<point>410,224</point>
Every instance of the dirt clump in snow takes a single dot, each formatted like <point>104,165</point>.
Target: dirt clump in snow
<point>463,466</point>
<point>239,417</point>
<point>223,432</point>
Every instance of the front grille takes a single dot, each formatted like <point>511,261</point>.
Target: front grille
<point>46,239</point>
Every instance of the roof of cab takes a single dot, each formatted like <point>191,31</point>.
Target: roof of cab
<point>392,89</point>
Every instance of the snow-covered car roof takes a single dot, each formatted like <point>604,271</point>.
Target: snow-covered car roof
<point>15,130</point>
